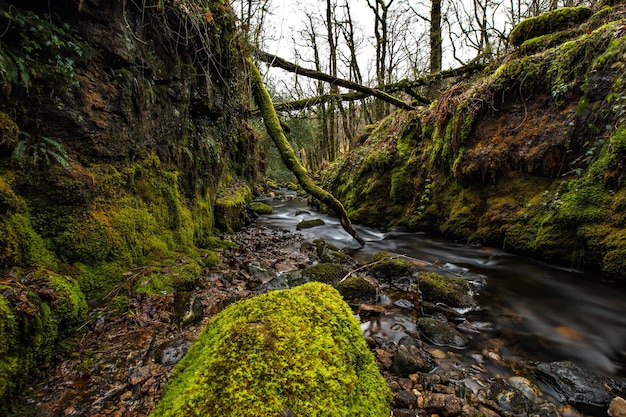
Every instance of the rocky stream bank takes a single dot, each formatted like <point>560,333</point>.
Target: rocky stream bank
<point>129,347</point>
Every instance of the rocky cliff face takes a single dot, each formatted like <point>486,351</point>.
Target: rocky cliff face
<point>121,124</point>
<point>529,156</point>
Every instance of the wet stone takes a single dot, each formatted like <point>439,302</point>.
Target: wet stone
<point>576,385</point>
<point>443,404</point>
<point>441,334</point>
<point>617,407</point>
<point>405,399</point>
<point>357,289</point>
<point>307,224</point>
<point>171,352</point>
<point>403,412</point>
<point>410,359</point>
<point>188,308</point>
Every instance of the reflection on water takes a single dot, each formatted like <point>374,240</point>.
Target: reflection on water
<point>549,312</point>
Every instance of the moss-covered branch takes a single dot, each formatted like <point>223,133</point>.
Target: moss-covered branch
<point>278,62</point>
<point>272,124</point>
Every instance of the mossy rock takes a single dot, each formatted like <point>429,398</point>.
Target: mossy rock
<point>261,208</point>
<point>32,319</point>
<point>549,22</point>
<point>356,288</point>
<point>327,273</point>
<point>230,208</point>
<point>271,184</point>
<point>307,224</point>
<point>289,352</point>
<point>388,266</point>
<point>437,288</point>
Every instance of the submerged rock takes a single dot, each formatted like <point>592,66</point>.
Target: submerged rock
<point>576,385</point>
<point>307,224</point>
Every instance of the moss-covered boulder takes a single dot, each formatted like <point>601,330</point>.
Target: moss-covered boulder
<point>307,224</point>
<point>261,208</point>
<point>549,22</point>
<point>388,266</point>
<point>328,273</point>
<point>290,352</point>
<point>230,208</point>
<point>438,288</point>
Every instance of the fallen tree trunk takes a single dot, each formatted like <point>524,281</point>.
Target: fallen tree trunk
<point>278,62</point>
<point>403,85</point>
<point>272,124</point>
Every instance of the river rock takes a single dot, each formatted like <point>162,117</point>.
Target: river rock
<point>411,358</point>
<point>171,352</point>
<point>437,288</point>
<point>403,412</point>
<point>617,408</point>
<point>405,399</point>
<point>443,404</point>
<point>511,400</point>
<point>357,289</point>
<point>307,224</point>
<point>576,385</point>
<point>441,334</point>
<point>526,387</point>
<point>188,308</point>
<point>325,272</point>
<point>390,267</point>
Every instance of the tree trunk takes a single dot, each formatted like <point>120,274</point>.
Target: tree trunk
<point>272,124</point>
<point>275,61</point>
<point>435,37</point>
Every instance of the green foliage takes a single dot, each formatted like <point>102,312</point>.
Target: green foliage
<point>48,49</point>
<point>299,350</point>
<point>30,151</point>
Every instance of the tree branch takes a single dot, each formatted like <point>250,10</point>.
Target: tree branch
<point>278,62</point>
<point>404,85</point>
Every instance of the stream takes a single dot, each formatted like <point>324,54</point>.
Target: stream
<point>543,312</point>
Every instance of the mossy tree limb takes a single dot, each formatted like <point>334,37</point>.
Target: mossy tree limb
<point>272,124</point>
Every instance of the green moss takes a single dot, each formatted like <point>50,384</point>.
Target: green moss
<point>309,223</point>
<point>230,208</point>
<point>299,350</point>
<point>437,288</point>
<point>97,280</point>
<point>118,306</point>
<point>261,208</point>
<point>549,22</point>
<point>179,275</point>
<point>389,266</point>
<point>328,273</point>
<point>33,316</point>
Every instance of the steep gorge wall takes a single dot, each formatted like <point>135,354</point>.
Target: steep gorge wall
<point>530,156</point>
<point>121,127</point>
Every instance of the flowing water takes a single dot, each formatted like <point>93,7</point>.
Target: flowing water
<point>545,312</point>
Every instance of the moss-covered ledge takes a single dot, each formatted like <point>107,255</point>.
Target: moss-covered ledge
<point>291,352</point>
<point>34,315</point>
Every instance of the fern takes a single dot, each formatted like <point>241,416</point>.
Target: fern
<point>31,152</point>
